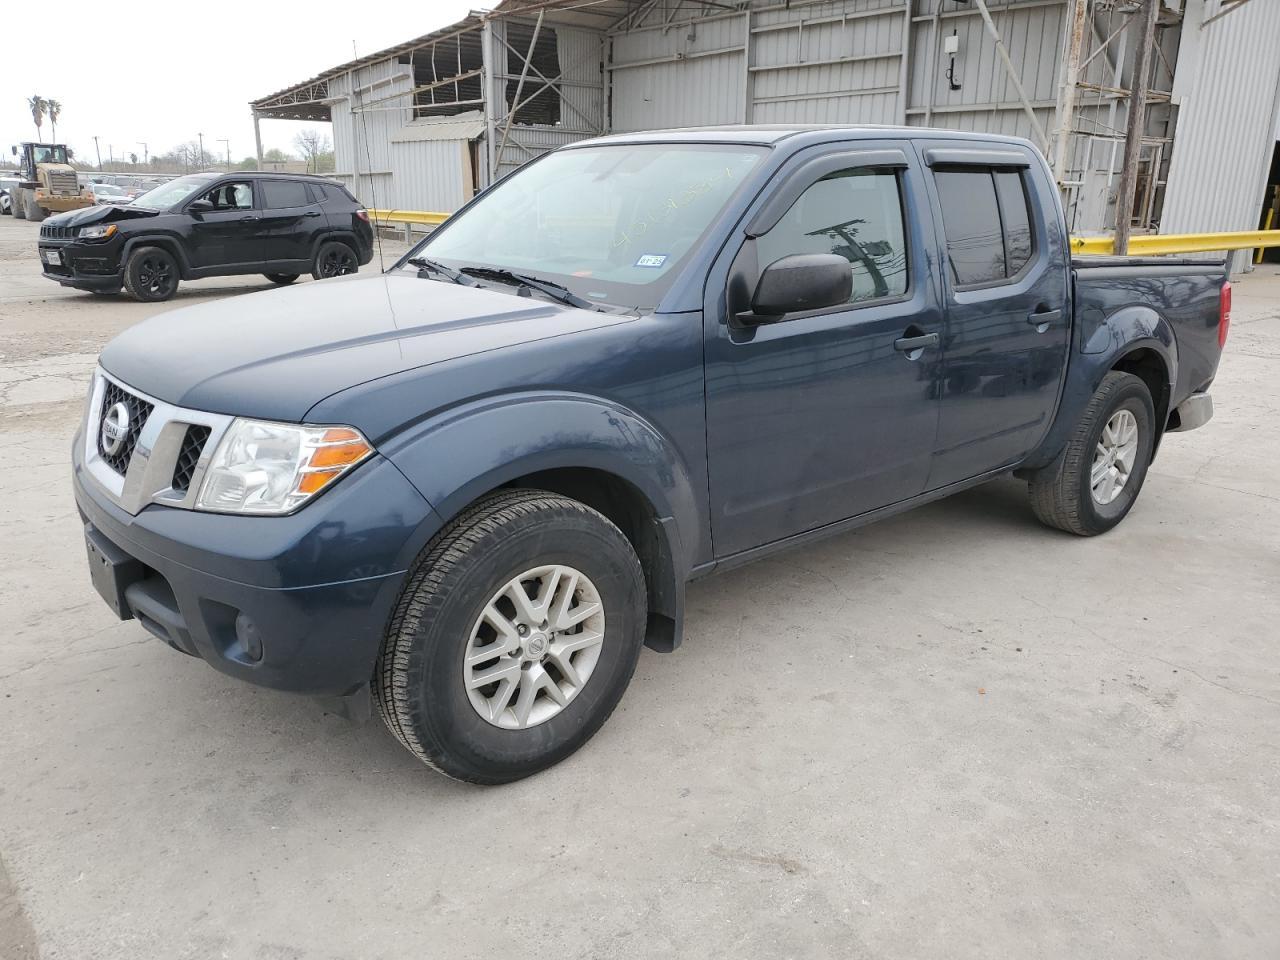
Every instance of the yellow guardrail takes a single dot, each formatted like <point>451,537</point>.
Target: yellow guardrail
<point>409,216</point>
<point>1153,244</point>
<point>1140,245</point>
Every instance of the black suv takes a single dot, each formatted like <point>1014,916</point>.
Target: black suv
<point>209,225</point>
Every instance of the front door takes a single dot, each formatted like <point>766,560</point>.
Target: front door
<point>231,233</point>
<point>1006,282</point>
<point>827,414</point>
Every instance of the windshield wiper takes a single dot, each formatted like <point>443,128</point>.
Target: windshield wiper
<point>555,291</point>
<point>426,266</point>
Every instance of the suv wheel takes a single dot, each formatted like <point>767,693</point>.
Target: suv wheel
<point>151,275</point>
<point>1096,479</point>
<point>334,259</point>
<point>514,639</point>
<point>281,278</point>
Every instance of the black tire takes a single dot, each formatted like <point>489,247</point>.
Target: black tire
<point>419,684</point>
<point>17,205</point>
<point>35,212</point>
<point>151,274</point>
<point>283,279</point>
<point>334,259</point>
<point>1062,493</point>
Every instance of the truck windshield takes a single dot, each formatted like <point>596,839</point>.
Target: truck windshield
<point>49,153</point>
<point>610,223</point>
<point>172,193</point>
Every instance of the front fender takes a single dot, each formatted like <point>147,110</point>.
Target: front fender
<point>472,449</point>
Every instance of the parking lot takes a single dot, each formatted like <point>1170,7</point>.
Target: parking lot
<point>951,734</point>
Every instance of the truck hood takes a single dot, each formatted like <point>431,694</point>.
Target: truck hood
<point>274,355</point>
<point>108,213</point>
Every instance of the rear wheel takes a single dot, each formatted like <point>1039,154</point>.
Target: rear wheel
<point>282,279</point>
<point>151,275</point>
<point>334,259</point>
<point>1096,479</point>
<point>17,202</point>
<point>514,639</point>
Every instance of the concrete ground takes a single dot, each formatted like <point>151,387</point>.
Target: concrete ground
<point>952,734</point>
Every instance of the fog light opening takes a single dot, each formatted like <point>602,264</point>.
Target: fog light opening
<point>249,637</point>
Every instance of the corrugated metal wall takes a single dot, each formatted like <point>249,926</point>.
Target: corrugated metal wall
<point>1227,86</point>
<point>362,138</point>
<point>430,175</point>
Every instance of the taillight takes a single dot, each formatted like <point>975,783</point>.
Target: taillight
<point>1224,313</point>
<point>363,214</point>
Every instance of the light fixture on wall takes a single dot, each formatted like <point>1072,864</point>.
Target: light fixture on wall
<point>951,46</point>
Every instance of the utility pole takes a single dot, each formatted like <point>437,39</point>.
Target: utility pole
<point>1143,30</point>
<point>201,136</point>
<point>227,144</point>
<point>111,154</point>
<point>98,152</point>
<point>144,152</point>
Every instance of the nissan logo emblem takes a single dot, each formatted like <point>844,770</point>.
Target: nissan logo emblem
<point>115,429</point>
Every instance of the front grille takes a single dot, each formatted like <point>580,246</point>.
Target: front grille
<point>138,412</point>
<point>50,232</point>
<point>192,445</point>
<point>64,183</point>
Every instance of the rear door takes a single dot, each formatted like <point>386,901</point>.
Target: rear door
<point>1006,298</point>
<point>291,217</point>
<point>231,233</point>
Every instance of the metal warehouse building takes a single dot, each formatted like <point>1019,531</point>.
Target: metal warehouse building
<point>1180,98</point>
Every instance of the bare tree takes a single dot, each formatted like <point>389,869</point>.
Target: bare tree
<point>311,143</point>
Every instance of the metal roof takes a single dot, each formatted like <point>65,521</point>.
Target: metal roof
<point>308,100</point>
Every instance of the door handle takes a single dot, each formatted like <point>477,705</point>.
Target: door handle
<point>250,219</point>
<point>312,213</point>
<point>907,344</point>
<point>1042,318</point>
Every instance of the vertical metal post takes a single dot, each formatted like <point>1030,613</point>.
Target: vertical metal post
<point>1067,93</point>
<point>1144,26</point>
<point>257,138</point>
<point>748,85</point>
<point>1013,74</point>
<point>904,65</point>
<point>490,79</point>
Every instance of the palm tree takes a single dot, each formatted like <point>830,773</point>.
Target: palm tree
<point>55,109</point>
<point>38,105</point>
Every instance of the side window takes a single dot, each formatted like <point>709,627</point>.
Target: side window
<point>231,196</point>
<point>277,194</point>
<point>986,222</point>
<point>856,214</point>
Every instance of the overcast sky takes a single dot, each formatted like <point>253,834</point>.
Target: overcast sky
<point>161,73</point>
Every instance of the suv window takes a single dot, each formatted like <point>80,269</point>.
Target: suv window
<point>857,214</point>
<point>231,196</point>
<point>986,222</point>
<point>334,193</point>
<point>283,193</point>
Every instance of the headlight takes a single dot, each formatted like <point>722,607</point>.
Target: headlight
<point>274,468</point>
<point>99,231</point>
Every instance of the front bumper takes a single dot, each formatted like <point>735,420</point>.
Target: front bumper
<point>318,587</point>
<point>85,266</point>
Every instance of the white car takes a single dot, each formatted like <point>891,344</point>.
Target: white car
<point>109,193</point>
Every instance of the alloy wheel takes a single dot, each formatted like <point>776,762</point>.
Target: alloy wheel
<point>1114,457</point>
<point>534,647</point>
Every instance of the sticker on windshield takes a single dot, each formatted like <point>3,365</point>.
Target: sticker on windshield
<point>651,260</point>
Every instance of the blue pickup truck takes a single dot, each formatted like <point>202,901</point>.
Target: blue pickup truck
<point>466,491</point>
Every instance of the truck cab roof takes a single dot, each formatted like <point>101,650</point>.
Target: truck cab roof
<point>801,134</point>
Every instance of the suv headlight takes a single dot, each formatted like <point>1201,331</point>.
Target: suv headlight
<point>274,468</point>
<point>99,231</point>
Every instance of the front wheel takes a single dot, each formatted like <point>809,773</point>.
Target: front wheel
<point>516,634</point>
<point>151,274</point>
<point>1094,482</point>
<point>35,212</point>
<point>334,259</point>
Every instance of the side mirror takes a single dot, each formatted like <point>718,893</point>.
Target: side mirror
<point>200,206</point>
<point>804,281</point>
